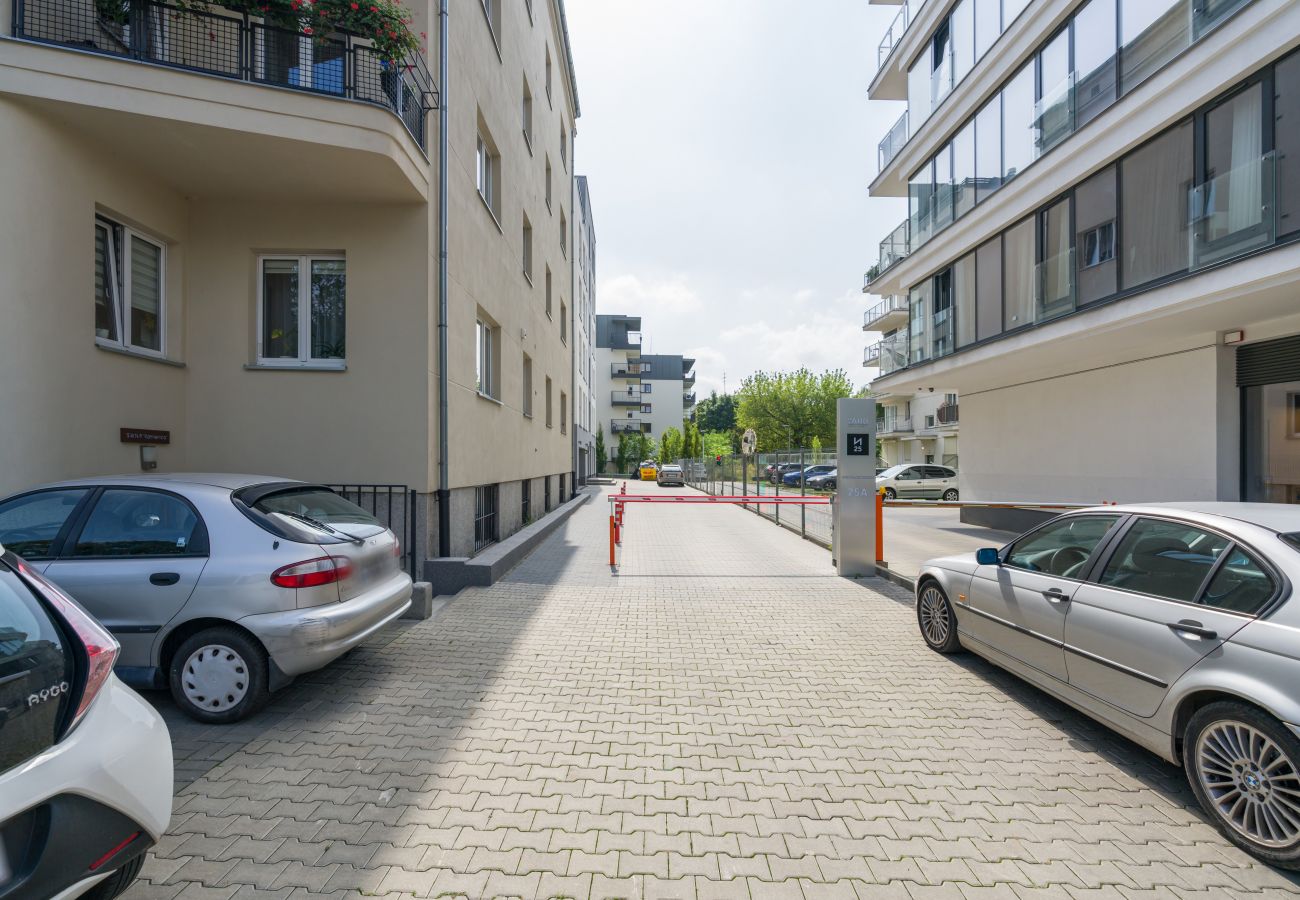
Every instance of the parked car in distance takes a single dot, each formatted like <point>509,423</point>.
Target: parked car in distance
<point>648,471</point>
<point>671,473</point>
<point>778,471</point>
<point>1173,624</point>
<point>827,481</point>
<point>219,587</point>
<point>85,763</point>
<point>793,478</point>
<point>918,482</point>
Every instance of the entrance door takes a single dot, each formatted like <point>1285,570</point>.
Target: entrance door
<point>1273,443</point>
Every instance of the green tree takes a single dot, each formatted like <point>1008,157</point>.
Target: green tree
<point>715,443</point>
<point>620,454</point>
<point>716,413</point>
<point>670,445</point>
<point>601,458</point>
<point>691,448</point>
<point>791,408</point>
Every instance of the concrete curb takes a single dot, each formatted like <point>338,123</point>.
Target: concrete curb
<point>897,578</point>
<point>452,574</point>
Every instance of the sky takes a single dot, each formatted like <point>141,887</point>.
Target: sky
<point>728,146</point>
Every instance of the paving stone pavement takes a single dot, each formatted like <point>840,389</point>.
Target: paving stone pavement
<point>723,718</point>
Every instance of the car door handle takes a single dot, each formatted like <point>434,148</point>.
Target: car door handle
<point>1056,595</point>
<point>163,579</point>
<point>1187,626</point>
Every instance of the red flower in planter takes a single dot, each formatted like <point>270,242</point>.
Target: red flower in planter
<point>306,29</point>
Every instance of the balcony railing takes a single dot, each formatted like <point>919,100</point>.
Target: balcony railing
<point>688,399</point>
<point>890,307</point>
<point>892,142</point>
<point>893,424</point>
<point>871,355</point>
<point>947,414</point>
<point>227,45</point>
<point>689,377</point>
<point>625,426</point>
<point>620,370</point>
<point>1234,213</point>
<point>895,34</point>
<point>893,250</point>
<point>625,398</point>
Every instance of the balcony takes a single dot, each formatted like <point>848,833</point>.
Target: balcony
<point>893,424</point>
<point>689,378</point>
<point>892,143</point>
<point>886,316</point>
<point>688,400</point>
<point>226,45</point>
<point>895,34</point>
<point>1234,213</point>
<point>871,355</point>
<point>893,250</point>
<point>625,426</point>
<point>947,414</point>
<point>625,398</point>
<point>625,370</point>
<point>888,354</point>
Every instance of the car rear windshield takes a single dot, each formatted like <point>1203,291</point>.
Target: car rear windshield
<point>1293,539</point>
<point>305,513</point>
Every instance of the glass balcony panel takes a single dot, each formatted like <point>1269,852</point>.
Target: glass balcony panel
<point>1054,115</point>
<point>892,142</point>
<point>1233,213</point>
<point>892,36</point>
<point>1054,282</point>
<point>1152,32</point>
<point>1208,13</point>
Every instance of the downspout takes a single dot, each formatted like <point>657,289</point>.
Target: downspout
<point>444,478</point>
<point>574,256</point>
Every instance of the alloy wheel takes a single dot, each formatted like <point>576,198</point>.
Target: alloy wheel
<point>1250,781</point>
<point>936,621</point>
<point>215,678</point>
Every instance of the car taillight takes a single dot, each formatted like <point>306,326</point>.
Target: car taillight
<point>397,547</point>
<point>312,572</point>
<point>101,647</point>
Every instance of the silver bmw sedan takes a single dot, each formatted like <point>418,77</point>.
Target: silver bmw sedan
<point>1173,624</point>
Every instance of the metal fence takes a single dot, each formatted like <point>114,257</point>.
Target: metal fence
<point>392,504</point>
<point>763,475</point>
<point>232,45</point>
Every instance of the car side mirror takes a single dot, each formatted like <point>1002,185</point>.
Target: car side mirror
<point>987,556</point>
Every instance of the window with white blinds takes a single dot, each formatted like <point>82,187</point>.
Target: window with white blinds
<point>130,278</point>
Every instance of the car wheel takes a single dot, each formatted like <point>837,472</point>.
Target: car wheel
<point>937,620</point>
<point>219,676</point>
<point>950,494</point>
<point>890,494</point>
<point>117,883</point>
<point>1244,767</point>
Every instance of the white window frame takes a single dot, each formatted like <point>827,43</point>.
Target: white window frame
<point>549,178</point>
<point>485,358</point>
<point>486,169</point>
<point>120,293</point>
<point>528,386</point>
<point>526,113</point>
<point>304,360</point>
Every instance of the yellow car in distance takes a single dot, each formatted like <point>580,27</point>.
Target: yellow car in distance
<point>649,471</point>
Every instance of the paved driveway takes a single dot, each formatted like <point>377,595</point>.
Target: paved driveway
<point>724,718</point>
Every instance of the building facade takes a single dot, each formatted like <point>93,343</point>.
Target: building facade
<point>1101,254</point>
<point>584,335</point>
<point>618,379</point>
<point>251,216</point>
<point>667,392</point>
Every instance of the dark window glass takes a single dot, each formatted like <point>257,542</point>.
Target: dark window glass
<point>1231,204</point>
<point>1286,136</point>
<point>36,673</point>
<point>943,187</point>
<point>935,472</point>
<point>963,171</point>
<point>1240,585</point>
<point>140,523</point>
<point>919,304</point>
<point>1060,547</point>
<point>942,320</point>
<point>963,290</point>
<point>1165,559</point>
<point>1054,112</point>
<point>1055,282</point>
<point>988,289</point>
<point>1094,217</point>
<point>29,525</point>
<point>280,309</point>
<point>988,149</point>
<point>1155,181</point>
<point>920,199</point>
<point>1019,254</point>
<point>1152,32</point>
<point>1094,59</point>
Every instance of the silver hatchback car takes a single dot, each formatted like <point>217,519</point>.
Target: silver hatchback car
<point>1174,625</point>
<point>671,473</point>
<point>918,481</point>
<point>219,587</point>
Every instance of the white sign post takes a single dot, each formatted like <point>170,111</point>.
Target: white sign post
<point>854,516</point>
<point>748,441</point>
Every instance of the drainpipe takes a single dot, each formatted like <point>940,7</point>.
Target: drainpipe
<point>444,479</point>
<point>573,305</point>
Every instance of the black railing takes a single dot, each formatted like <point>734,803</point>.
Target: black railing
<point>947,414</point>
<point>229,45</point>
<point>485,516</point>
<point>393,505</point>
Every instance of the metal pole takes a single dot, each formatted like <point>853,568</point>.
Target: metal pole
<point>777,508</point>
<point>803,492</point>
<point>444,475</point>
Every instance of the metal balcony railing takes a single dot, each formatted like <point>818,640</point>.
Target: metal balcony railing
<point>871,354</point>
<point>625,426</point>
<point>228,45</point>
<point>893,424</point>
<point>893,250</point>
<point>620,370</point>
<point>689,377</point>
<point>688,399</point>
<point>625,398</point>
<point>947,414</point>
<point>889,306</point>
<point>892,142</point>
<point>895,34</point>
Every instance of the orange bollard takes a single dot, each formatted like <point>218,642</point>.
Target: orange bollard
<point>612,526</point>
<point>880,526</point>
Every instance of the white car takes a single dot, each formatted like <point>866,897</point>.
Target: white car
<point>85,763</point>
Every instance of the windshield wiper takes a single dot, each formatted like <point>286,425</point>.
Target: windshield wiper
<point>317,523</point>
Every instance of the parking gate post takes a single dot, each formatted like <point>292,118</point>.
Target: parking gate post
<point>854,523</point>
<point>880,527</point>
<point>803,492</point>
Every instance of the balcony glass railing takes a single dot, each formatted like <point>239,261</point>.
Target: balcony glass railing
<point>1054,115</point>
<point>893,249</point>
<point>625,398</point>
<point>892,142</point>
<point>892,36</point>
<point>1233,213</point>
<point>893,304</point>
<point>229,45</point>
<point>893,424</point>
<point>871,354</point>
<point>688,399</point>
<point>624,426</point>
<point>620,370</point>
<point>1054,281</point>
<point>947,414</point>
<point>689,377</point>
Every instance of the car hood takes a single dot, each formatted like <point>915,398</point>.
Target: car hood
<point>958,562</point>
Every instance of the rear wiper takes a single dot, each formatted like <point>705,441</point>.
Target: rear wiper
<point>316,523</point>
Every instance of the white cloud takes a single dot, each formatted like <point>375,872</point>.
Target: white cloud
<point>630,294</point>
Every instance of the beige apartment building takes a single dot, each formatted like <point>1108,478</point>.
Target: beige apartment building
<point>227,236</point>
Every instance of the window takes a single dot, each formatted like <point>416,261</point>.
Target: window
<point>485,516</point>
<point>1094,217</point>
<point>988,25</point>
<point>485,357</point>
<point>963,171</point>
<point>488,167</point>
<point>1097,246</point>
<point>564,148</point>
<point>943,187</point>
<point>564,413</point>
<point>548,74</point>
<point>546,493</point>
<point>1153,207</point>
<point>1286,136</point>
<point>941,320</point>
<point>528,249</point>
<point>548,183</point>
<point>919,305</point>
<point>962,25</point>
<point>548,292</point>
<point>527,115</point>
<point>528,386</point>
<point>1231,203</point>
<point>1054,112</point>
<point>289,335</point>
<point>1018,273</point>
<point>963,290</point>
<point>492,12</point>
<point>919,90</point>
<point>1164,559</point>
<point>1061,547</point>
<point>647,408</point>
<point>29,525</point>
<point>525,501</point>
<point>1151,33</point>
<point>564,234</point>
<point>1018,122</point>
<point>647,387</point>
<point>988,149</point>
<point>1094,59</point>
<point>1240,585</point>
<point>1055,283</point>
<point>564,323</point>
<point>129,522</point>
<point>920,198</point>
<point>130,280</point>
<point>549,423</point>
